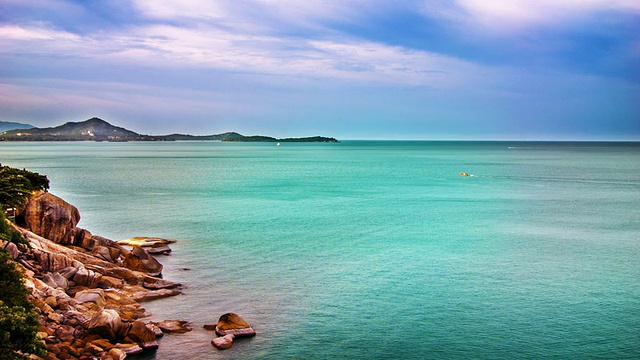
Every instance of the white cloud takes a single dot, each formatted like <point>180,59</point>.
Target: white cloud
<point>498,15</point>
<point>171,47</point>
<point>20,33</point>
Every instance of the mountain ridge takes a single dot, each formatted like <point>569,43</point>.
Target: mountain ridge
<point>96,129</point>
<point>10,125</point>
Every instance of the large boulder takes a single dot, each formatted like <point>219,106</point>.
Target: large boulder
<point>140,260</point>
<point>231,323</point>
<point>106,323</point>
<point>50,217</point>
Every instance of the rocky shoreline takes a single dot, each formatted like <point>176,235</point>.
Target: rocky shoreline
<point>87,289</point>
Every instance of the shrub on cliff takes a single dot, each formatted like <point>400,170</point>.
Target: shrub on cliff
<point>16,185</point>
<point>10,235</point>
<point>18,322</point>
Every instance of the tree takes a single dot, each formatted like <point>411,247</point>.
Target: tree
<point>18,322</point>
<point>16,185</point>
<point>10,235</point>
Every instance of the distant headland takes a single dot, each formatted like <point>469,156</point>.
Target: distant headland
<point>96,129</point>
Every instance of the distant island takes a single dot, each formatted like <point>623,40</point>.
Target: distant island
<point>7,125</point>
<point>96,129</point>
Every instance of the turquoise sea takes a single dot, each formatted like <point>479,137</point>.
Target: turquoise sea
<point>376,250</point>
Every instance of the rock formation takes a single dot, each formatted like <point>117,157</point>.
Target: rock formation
<point>86,288</point>
<point>231,323</point>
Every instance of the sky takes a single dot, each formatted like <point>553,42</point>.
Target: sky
<point>351,69</point>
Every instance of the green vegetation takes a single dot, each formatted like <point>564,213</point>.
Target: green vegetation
<point>18,322</point>
<point>8,234</point>
<point>15,186</point>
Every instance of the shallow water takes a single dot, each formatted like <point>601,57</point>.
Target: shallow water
<point>376,250</point>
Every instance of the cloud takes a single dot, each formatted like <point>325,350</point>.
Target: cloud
<point>172,47</point>
<point>497,16</point>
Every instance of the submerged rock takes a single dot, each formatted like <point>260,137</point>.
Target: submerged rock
<point>231,323</point>
<point>159,249</point>
<point>144,241</point>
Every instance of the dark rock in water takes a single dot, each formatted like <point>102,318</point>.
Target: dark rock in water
<point>159,249</point>
<point>174,326</point>
<point>224,342</point>
<point>231,323</point>
<point>140,260</point>
<point>209,327</point>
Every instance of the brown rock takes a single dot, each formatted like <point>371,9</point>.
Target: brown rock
<point>223,342</point>
<point>140,260</point>
<point>102,252</point>
<point>74,318</point>
<point>156,330</point>
<point>129,349</point>
<point>91,295</point>
<point>85,277</point>
<point>11,248</point>
<point>144,241</point>
<point>107,282</point>
<point>142,336</point>
<point>106,323</point>
<point>117,354</point>
<point>50,217</point>
<point>159,249</point>
<point>51,301</point>
<point>104,344</point>
<point>174,326</point>
<point>55,317</point>
<point>55,280</point>
<point>65,333</point>
<point>146,295</point>
<point>231,323</point>
<point>209,327</point>
<point>68,272</point>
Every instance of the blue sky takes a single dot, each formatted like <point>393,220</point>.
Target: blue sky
<point>352,69</point>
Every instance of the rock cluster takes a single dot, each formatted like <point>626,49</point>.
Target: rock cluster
<point>230,326</point>
<point>87,289</point>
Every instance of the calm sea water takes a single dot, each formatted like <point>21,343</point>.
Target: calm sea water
<point>376,250</point>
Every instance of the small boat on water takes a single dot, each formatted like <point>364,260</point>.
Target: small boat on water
<point>464,174</point>
<point>278,144</point>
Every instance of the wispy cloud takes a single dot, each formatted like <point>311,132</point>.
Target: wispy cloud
<point>499,16</point>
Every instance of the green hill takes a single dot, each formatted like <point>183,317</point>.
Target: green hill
<point>96,129</point>
<point>7,125</point>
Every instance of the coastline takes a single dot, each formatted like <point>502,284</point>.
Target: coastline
<point>87,290</point>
